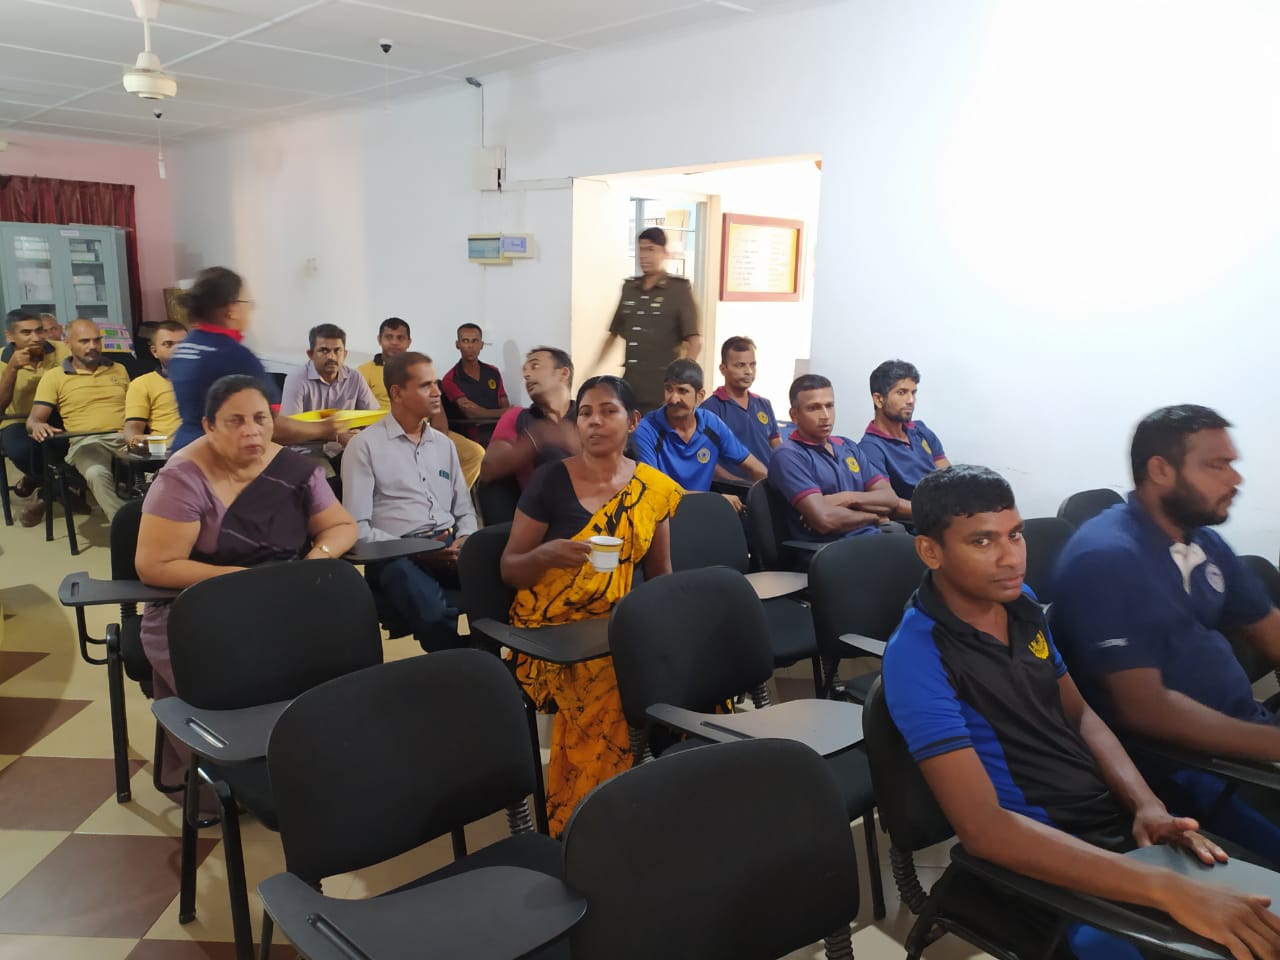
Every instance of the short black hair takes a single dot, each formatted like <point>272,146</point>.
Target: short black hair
<point>173,326</point>
<point>615,385</point>
<point>684,371</point>
<point>654,235</point>
<point>560,359</point>
<point>15,317</point>
<point>326,331</point>
<point>470,326</point>
<point>735,345</point>
<point>215,289</point>
<point>1164,434</point>
<point>224,388</point>
<point>394,323</point>
<point>960,490</point>
<point>808,381</point>
<point>890,372</point>
<point>395,372</point>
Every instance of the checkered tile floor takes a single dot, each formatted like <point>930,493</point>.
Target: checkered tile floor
<point>82,876</point>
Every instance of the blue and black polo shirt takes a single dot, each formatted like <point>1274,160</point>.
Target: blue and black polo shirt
<point>1122,601</point>
<point>907,462</point>
<point>755,425</point>
<point>800,469</point>
<point>692,464</point>
<point>206,355</point>
<point>949,686</point>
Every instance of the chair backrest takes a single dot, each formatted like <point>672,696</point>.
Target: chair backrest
<point>1045,537</point>
<point>737,850</point>
<point>497,500</point>
<point>861,585</point>
<point>766,512</point>
<point>691,639</point>
<point>706,532</point>
<point>268,633</point>
<point>1086,504</point>
<point>908,810</point>
<point>484,595</point>
<point>124,540</point>
<point>377,762</point>
<point>1256,666</point>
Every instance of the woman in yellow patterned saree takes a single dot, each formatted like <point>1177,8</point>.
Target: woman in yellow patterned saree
<point>597,491</point>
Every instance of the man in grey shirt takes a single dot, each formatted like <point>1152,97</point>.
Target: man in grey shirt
<point>325,382</point>
<point>402,478</point>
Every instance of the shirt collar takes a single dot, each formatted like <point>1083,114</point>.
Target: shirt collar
<point>236,335</point>
<point>69,366</point>
<point>930,601</point>
<point>722,393</point>
<point>877,432</point>
<point>314,374</point>
<point>1150,531</point>
<point>538,413</point>
<point>833,440</point>
<point>393,428</point>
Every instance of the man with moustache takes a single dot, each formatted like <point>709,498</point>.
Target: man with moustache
<point>545,431</point>
<point>26,357</point>
<point>88,392</point>
<point>686,442</point>
<point>907,449</point>
<point>1145,594</point>
<point>401,478</point>
<point>325,382</point>
<point>748,415</point>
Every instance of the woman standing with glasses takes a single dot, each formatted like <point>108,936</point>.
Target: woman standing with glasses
<point>599,491</point>
<point>220,309</point>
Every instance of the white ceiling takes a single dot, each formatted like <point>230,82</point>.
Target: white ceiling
<point>239,62</point>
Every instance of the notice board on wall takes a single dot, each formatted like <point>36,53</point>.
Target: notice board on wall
<point>760,258</point>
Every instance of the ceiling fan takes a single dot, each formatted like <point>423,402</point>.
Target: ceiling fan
<point>147,78</point>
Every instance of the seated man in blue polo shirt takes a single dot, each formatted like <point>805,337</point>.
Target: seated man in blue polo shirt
<point>686,442</point>
<point>1027,774</point>
<point>906,448</point>
<point>748,415</point>
<point>833,488</point>
<point>1143,595</point>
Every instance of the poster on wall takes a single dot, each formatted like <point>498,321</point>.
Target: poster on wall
<point>760,258</point>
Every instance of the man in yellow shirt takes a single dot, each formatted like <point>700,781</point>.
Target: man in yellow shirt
<point>88,391</point>
<point>26,358</point>
<point>150,406</point>
<point>394,339</point>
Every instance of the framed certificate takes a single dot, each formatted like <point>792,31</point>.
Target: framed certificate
<point>760,258</point>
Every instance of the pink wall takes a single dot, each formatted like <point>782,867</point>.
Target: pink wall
<point>108,163</point>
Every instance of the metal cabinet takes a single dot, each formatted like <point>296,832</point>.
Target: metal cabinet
<point>70,271</point>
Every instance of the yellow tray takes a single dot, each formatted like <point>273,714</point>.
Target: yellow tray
<point>351,419</point>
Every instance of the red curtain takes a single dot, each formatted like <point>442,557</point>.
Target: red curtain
<point>45,200</point>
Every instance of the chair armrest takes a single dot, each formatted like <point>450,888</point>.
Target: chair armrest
<point>863,646</point>
<point>82,590</point>
<point>811,546</point>
<point>1136,924</point>
<point>505,911</point>
<point>771,584</point>
<point>1262,773</point>
<point>223,736</point>
<point>825,726</point>
<point>377,550</point>
<point>563,643</point>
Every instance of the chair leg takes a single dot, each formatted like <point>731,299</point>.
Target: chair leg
<point>924,931</point>
<point>904,876</point>
<point>268,929</point>
<point>873,864</point>
<point>4,492</point>
<point>190,814</point>
<point>241,923</point>
<point>539,786</point>
<point>459,837</point>
<point>47,494</point>
<point>69,515</point>
<point>816,663</point>
<point>830,674</point>
<point>519,818</point>
<point>160,785</point>
<point>119,724</point>
<point>839,945</point>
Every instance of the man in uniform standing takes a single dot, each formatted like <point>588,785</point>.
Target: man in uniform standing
<point>657,319</point>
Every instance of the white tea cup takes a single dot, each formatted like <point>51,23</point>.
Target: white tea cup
<point>157,445</point>
<point>605,552</point>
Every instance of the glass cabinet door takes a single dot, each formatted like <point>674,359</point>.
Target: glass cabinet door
<point>35,276</point>
<point>88,278</point>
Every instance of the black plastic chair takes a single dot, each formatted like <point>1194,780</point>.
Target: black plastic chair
<point>706,532</point>
<point>737,851</point>
<point>1087,504</point>
<point>242,646</point>
<point>496,500</point>
<point>361,773</point>
<point>766,512</point>
<point>6,488</point>
<point>859,587</point>
<point>689,642</point>
<point>997,924</point>
<point>122,641</point>
<point>1045,537</point>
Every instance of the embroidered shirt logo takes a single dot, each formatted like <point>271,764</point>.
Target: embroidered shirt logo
<point>1039,646</point>
<point>493,384</point>
<point>704,455</point>
<point>762,417</point>
<point>445,474</point>
<point>852,464</point>
<point>925,446</point>
<point>1213,574</point>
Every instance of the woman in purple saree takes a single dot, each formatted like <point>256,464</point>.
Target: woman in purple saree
<point>231,499</point>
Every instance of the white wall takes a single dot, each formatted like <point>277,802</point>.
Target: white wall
<point>1066,215</point>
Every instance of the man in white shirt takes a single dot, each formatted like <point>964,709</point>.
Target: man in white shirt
<point>402,478</point>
